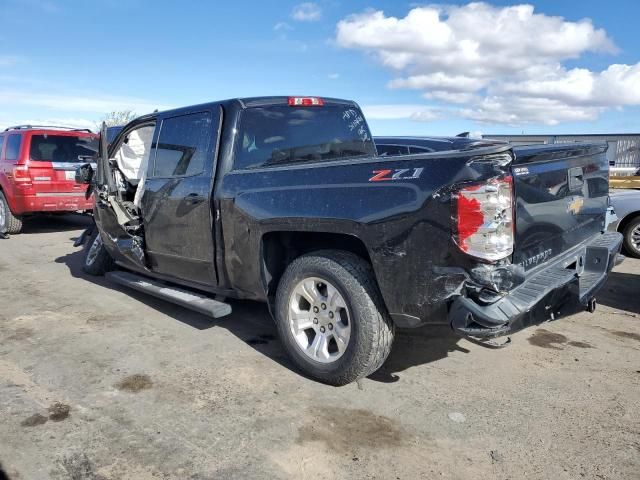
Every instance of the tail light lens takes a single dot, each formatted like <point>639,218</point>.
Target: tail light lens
<point>21,177</point>
<point>483,224</point>
<point>305,102</point>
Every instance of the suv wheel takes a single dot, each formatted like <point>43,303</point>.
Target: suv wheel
<point>8,221</point>
<point>632,237</point>
<point>97,260</point>
<point>331,318</point>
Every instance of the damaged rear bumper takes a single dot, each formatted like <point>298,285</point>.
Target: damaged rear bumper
<point>566,286</point>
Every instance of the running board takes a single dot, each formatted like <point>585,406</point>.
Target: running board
<point>193,301</point>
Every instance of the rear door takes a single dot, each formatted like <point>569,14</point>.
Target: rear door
<point>176,203</point>
<point>561,199</point>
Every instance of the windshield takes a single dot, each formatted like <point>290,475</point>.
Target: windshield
<point>280,134</point>
<point>62,148</point>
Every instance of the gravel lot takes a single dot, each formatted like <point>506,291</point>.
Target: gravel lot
<point>98,382</point>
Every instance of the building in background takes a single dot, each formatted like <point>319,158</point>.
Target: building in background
<point>623,152</point>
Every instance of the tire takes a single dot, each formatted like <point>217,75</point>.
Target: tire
<point>97,260</point>
<point>631,244</point>
<point>12,223</point>
<point>357,314</point>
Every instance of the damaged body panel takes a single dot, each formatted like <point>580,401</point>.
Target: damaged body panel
<point>228,194</point>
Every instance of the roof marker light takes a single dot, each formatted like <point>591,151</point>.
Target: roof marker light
<point>305,102</point>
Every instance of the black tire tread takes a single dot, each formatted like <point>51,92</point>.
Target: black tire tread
<point>13,223</point>
<point>360,280</point>
<point>103,264</point>
<point>628,229</point>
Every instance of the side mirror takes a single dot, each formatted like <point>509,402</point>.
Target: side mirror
<point>84,174</point>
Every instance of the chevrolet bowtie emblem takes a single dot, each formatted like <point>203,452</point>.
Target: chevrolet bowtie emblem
<point>575,205</point>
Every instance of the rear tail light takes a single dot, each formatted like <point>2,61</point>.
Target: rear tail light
<point>21,177</point>
<point>483,223</point>
<point>305,102</point>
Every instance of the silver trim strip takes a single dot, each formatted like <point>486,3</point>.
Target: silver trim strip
<point>70,165</point>
<point>60,194</point>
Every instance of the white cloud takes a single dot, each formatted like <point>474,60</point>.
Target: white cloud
<point>333,76</point>
<point>282,26</point>
<point>306,12</point>
<point>515,110</point>
<point>504,64</point>
<point>76,102</point>
<point>421,113</point>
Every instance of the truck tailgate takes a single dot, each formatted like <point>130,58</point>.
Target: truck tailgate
<point>561,195</point>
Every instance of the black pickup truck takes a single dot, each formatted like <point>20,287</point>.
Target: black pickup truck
<point>286,200</point>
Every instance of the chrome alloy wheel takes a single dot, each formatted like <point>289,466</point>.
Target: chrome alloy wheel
<point>3,217</point>
<point>92,254</point>
<point>319,320</point>
<point>635,237</point>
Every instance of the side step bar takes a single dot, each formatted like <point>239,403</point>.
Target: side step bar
<point>193,301</point>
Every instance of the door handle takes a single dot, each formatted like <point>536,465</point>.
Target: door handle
<point>193,198</point>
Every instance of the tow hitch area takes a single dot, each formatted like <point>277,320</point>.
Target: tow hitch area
<point>567,286</point>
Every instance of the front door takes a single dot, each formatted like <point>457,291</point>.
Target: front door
<point>176,201</point>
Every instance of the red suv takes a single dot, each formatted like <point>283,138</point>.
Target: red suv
<point>37,172</point>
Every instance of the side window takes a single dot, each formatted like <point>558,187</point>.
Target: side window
<point>182,145</point>
<point>419,150</point>
<point>1,145</point>
<point>388,150</point>
<point>13,147</point>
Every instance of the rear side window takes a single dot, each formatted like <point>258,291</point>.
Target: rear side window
<point>62,148</point>
<point>1,146</point>
<point>182,145</point>
<point>388,150</point>
<point>13,147</point>
<point>280,134</point>
<point>413,150</point>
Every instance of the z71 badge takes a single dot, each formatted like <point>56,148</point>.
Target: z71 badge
<point>397,174</point>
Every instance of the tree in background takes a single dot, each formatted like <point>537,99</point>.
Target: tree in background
<point>115,118</point>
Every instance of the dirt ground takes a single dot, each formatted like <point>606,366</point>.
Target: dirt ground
<point>98,382</point>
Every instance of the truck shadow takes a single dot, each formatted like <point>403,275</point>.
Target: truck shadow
<point>252,323</point>
<point>622,292</point>
<point>55,223</point>
<point>415,347</point>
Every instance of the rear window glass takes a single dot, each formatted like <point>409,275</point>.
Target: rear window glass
<point>280,134</point>
<point>62,148</point>
<point>13,147</point>
<point>384,150</point>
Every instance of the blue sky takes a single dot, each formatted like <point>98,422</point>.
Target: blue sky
<point>73,61</point>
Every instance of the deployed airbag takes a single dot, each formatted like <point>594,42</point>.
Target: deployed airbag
<point>133,155</point>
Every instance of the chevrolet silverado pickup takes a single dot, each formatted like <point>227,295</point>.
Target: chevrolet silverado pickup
<point>286,200</point>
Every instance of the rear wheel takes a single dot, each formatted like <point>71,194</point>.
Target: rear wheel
<point>331,318</point>
<point>632,237</point>
<point>97,260</point>
<point>8,221</point>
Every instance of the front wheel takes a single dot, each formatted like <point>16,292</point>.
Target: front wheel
<point>331,318</point>
<point>97,260</point>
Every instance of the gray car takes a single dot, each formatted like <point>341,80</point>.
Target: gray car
<point>626,204</point>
